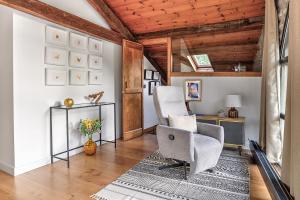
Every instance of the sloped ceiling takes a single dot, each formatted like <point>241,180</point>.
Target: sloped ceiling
<point>178,19</point>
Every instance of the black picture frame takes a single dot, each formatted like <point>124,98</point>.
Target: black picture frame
<point>148,74</point>
<point>152,85</point>
<point>155,75</point>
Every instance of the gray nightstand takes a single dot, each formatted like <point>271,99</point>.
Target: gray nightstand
<point>234,129</point>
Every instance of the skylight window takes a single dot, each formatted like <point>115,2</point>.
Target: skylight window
<point>202,60</point>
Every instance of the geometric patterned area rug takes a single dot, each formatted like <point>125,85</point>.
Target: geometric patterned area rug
<point>228,181</point>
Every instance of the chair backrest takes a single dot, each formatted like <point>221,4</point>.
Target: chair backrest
<point>169,100</point>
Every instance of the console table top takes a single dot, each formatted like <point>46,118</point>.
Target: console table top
<point>217,118</point>
<point>82,105</point>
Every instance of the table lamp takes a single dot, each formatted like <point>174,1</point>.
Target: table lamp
<point>232,102</point>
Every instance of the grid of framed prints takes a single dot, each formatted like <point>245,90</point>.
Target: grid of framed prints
<point>72,58</point>
<point>152,85</point>
<point>151,75</point>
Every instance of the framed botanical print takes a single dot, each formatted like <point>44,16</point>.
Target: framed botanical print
<point>95,46</point>
<point>95,77</point>
<point>95,62</point>
<point>54,77</point>
<point>193,90</point>
<point>78,42</point>
<point>78,59</point>
<point>55,56</point>
<point>155,75</point>
<point>56,36</point>
<point>77,77</point>
<point>148,74</point>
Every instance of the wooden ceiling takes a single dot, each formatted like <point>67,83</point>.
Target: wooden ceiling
<point>227,30</point>
<point>157,15</point>
<point>226,49</point>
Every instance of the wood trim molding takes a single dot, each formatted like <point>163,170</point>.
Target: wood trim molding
<point>234,74</point>
<point>170,60</point>
<point>60,17</point>
<point>132,134</point>
<point>150,130</point>
<point>155,41</point>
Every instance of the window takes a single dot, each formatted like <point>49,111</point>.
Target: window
<point>202,60</point>
<point>283,74</point>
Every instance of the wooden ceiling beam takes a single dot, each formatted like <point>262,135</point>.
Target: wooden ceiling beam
<point>60,17</point>
<point>155,65</point>
<point>154,41</point>
<point>111,18</point>
<point>225,48</point>
<point>236,25</point>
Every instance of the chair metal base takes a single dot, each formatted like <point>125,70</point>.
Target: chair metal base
<point>181,164</point>
<point>178,164</point>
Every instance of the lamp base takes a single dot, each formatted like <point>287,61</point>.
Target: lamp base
<point>233,113</point>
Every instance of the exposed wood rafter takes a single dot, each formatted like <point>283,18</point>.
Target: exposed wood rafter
<point>116,24</point>
<point>111,18</point>
<point>60,17</point>
<point>237,25</point>
<point>235,74</point>
<point>156,66</point>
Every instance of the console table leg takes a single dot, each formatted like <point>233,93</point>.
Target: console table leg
<point>67,130</point>
<point>100,135</point>
<point>51,142</point>
<point>240,148</point>
<point>115,124</point>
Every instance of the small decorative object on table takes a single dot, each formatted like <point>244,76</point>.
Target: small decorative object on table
<point>95,98</point>
<point>221,113</point>
<point>233,101</point>
<point>87,128</point>
<point>68,102</point>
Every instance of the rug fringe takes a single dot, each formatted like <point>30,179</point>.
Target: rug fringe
<point>95,197</point>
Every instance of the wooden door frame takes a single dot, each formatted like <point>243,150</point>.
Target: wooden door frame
<point>168,42</point>
<point>123,83</point>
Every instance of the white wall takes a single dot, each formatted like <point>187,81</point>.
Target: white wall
<point>214,91</point>
<point>80,8</point>
<point>6,91</point>
<point>32,98</point>
<point>25,100</point>
<point>150,117</point>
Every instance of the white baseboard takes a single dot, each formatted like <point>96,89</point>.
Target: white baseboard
<point>30,166</point>
<point>39,163</point>
<point>7,168</point>
<point>26,167</point>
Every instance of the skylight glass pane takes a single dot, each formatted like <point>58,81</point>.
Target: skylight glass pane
<point>202,60</point>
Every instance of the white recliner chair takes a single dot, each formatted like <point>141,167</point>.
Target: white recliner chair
<point>200,150</point>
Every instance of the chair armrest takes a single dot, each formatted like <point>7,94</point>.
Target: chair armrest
<point>175,143</point>
<point>211,130</point>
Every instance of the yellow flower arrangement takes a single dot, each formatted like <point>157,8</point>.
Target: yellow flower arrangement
<point>89,126</point>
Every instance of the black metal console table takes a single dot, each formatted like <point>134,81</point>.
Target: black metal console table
<point>77,106</point>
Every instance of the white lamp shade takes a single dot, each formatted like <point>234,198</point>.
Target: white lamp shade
<point>233,101</point>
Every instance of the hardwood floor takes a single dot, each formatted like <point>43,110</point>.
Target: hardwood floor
<point>88,175</point>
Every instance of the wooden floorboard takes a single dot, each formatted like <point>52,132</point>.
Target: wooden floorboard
<point>87,175</point>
